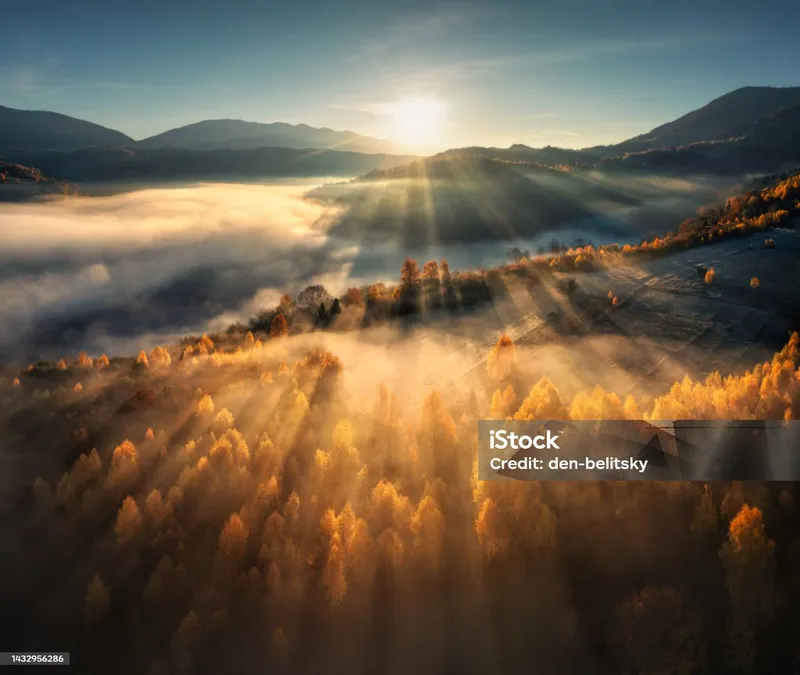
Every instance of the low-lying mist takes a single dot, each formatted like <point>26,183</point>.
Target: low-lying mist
<point>121,272</point>
<point>94,273</point>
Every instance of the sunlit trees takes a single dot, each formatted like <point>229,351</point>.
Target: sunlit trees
<point>428,526</point>
<point>124,467</point>
<point>83,360</point>
<point>769,391</point>
<point>749,560</point>
<point>85,470</point>
<point>408,293</point>
<point>129,521</point>
<point>223,421</point>
<point>502,359</point>
<point>431,285</point>
<point>233,537</point>
<point>333,565</point>
<point>388,508</point>
<point>597,405</point>
<point>492,533</point>
<point>141,360</point>
<point>343,504</point>
<point>542,403</point>
<point>503,403</point>
<point>159,357</point>
<point>311,296</point>
<point>355,537</point>
<point>353,298</point>
<point>205,406</point>
<point>156,509</point>
<point>279,327</point>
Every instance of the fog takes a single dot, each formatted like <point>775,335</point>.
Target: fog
<point>105,272</point>
<point>120,272</point>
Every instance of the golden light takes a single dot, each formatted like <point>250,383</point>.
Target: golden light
<point>418,121</point>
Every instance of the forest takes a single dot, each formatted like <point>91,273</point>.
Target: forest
<point>243,511</point>
<point>230,504</point>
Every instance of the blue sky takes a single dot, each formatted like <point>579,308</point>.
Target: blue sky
<point>572,73</point>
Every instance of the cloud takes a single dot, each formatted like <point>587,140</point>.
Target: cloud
<point>432,25</point>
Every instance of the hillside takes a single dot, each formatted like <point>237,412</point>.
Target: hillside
<point>123,164</point>
<point>452,199</point>
<point>240,135</point>
<point>38,130</point>
<point>750,130</point>
<point>19,183</point>
<point>726,117</point>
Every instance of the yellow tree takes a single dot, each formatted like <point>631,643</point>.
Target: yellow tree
<point>542,403</point>
<point>233,537</point>
<point>749,560</point>
<point>129,521</point>
<point>502,359</point>
<point>279,327</point>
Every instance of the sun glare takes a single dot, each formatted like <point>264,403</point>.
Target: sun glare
<point>418,121</point>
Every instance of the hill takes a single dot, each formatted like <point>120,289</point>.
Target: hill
<point>125,164</point>
<point>38,130</point>
<point>453,199</point>
<point>240,135</point>
<point>727,117</point>
<point>19,182</point>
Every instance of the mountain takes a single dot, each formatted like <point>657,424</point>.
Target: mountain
<point>38,130</point>
<point>725,118</point>
<point>750,130</point>
<point>135,165</point>
<point>239,135</point>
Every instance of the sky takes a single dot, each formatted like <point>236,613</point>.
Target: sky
<point>570,73</point>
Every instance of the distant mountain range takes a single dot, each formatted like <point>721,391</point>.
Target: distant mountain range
<point>121,165</point>
<point>750,130</point>
<point>37,130</point>
<point>34,130</point>
<point>238,135</point>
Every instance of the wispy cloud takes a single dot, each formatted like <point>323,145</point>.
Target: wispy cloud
<point>531,118</point>
<point>420,28</point>
<point>449,72</point>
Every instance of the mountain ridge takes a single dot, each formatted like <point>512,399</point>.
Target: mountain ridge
<point>236,134</point>
<point>46,131</point>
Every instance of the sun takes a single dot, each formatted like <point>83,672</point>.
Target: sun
<point>418,121</point>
